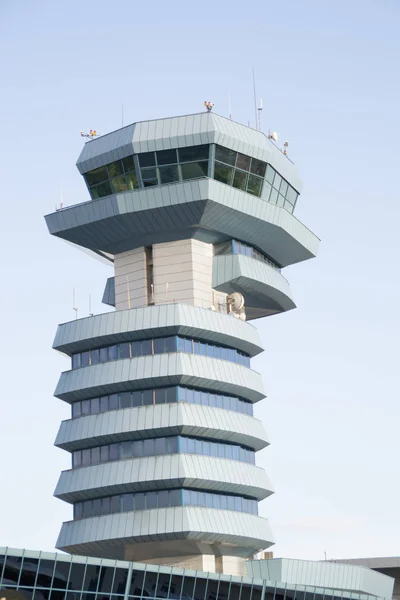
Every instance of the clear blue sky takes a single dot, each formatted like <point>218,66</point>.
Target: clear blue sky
<point>328,76</point>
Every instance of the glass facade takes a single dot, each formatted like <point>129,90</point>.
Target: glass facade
<point>235,247</point>
<point>94,406</point>
<point>162,499</point>
<point>158,447</point>
<point>173,343</point>
<point>146,169</point>
<point>28,575</point>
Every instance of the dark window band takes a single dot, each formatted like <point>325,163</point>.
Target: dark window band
<point>167,395</point>
<point>164,345</point>
<point>162,499</point>
<point>158,447</point>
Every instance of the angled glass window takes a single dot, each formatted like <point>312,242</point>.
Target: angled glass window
<point>119,185</point>
<point>258,167</point>
<point>115,169</point>
<point>223,173</point>
<point>131,181</point>
<point>240,180</point>
<point>101,190</point>
<point>147,159</point>
<point>254,185</point>
<point>193,153</point>
<point>194,170</point>
<point>166,157</point>
<point>225,155</point>
<point>168,174</point>
<point>96,176</point>
<point>128,164</point>
<point>243,162</point>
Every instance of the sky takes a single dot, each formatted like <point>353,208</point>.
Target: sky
<point>328,76</point>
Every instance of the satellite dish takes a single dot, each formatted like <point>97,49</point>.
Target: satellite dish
<point>236,302</point>
<point>274,136</point>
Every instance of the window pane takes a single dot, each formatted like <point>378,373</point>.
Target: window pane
<point>76,576</point>
<point>94,406</point>
<point>113,353</point>
<point>120,579</point>
<point>103,354</point>
<point>147,397</point>
<point>140,502</point>
<point>254,185</point>
<point>277,181</point>
<point>148,448</point>
<point>84,359</point>
<point>128,163</point>
<point>225,155</point>
<point>76,361</point>
<point>166,157</point>
<point>137,399</point>
<point>270,174</point>
<point>114,451</point>
<point>223,173</point>
<point>115,504</point>
<point>288,206</point>
<point>175,498</point>
<point>169,174</point>
<point>273,196</point>
<point>125,400</point>
<point>147,159</point>
<point>171,394</point>
<point>104,453</point>
<point>159,446</point>
<point>113,402</point>
<point>281,200</point>
<point>127,502</point>
<point>119,185</point>
<point>170,344</point>
<point>125,450</point>
<point>158,345</point>
<point>284,187</point>
<point>76,410</point>
<point>243,162</point>
<point>124,350</point>
<point>291,194</point>
<point>146,347</point>
<point>101,190</point>
<point>240,180</point>
<point>193,153</point>
<point>151,500</point>
<point>131,181</point>
<point>194,170</point>
<point>171,445</point>
<point>258,167</point>
<point>96,176</point>
<point>136,351</point>
<point>115,169</point>
<point>85,405</point>
<point>105,579</point>
<point>94,357</point>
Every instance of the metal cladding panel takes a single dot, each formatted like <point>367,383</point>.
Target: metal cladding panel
<point>162,420</point>
<point>201,524</point>
<point>158,371</point>
<point>258,281</point>
<point>163,472</point>
<point>183,131</point>
<point>158,320</point>
<point>326,574</point>
<point>205,209</point>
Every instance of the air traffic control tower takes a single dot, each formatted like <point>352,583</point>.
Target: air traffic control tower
<point>195,213</point>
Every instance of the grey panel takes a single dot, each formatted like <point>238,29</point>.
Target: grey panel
<point>109,292</point>
<point>162,420</point>
<point>242,534</point>
<point>163,472</point>
<point>157,371</point>
<point>262,286</point>
<point>205,209</point>
<point>159,320</point>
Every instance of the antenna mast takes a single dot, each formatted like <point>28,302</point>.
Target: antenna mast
<point>259,114</point>
<point>255,99</point>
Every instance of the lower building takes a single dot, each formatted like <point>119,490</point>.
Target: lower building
<point>30,575</point>
<point>389,565</point>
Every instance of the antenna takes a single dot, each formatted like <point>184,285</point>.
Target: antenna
<point>255,98</point>
<point>122,115</point>
<point>259,114</point>
<point>209,105</point>
<point>229,107</point>
<point>74,307</point>
<point>62,198</point>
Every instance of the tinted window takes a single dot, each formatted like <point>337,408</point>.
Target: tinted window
<point>166,157</point>
<point>106,579</point>
<point>194,170</point>
<point>76,576</point>
<point>193,153</point>
<point>128,163</point>
<point>147,159</point>
<point>225,155</point>
<point>96,176</point>
<point>168,174</point>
